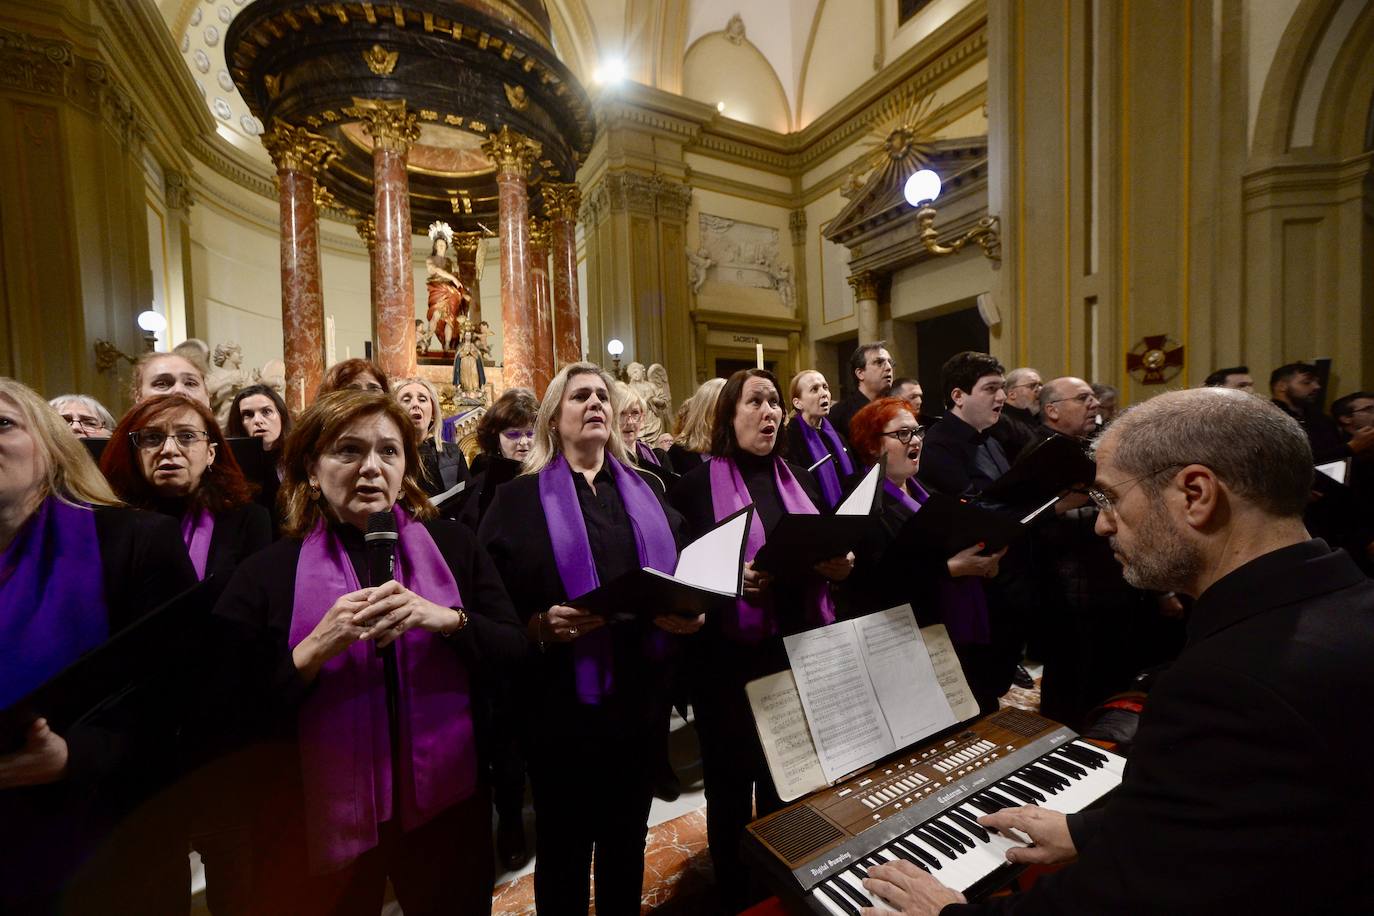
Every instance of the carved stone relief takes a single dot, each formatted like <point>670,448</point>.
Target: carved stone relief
<point>737,253</point>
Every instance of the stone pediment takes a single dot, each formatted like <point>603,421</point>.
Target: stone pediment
<point>879,202</point>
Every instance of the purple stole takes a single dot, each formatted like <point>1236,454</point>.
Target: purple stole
<point>646,455</point>
<point>197,529</point>
<point>345,745</point>
<point>828,474</point>
<point>756,618</point>
<point>52,597</point>
<point>963,603</point>
<point>593,658</point>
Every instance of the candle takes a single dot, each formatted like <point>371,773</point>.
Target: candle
<point>302,383</point>
<point>348,352</point>
<point>329,342</point>
<point>758,351</point>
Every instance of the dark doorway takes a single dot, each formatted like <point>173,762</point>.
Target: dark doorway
<point>842,381</point>
<point>937,339</point>
<point>728,367</point>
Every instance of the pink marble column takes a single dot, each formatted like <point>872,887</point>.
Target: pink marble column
<point>393,129</point>
<point>513,155</point>
<point>562,202</point>
<point>299,157</point>
<point>539,298</point>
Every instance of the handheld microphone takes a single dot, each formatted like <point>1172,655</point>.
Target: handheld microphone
<point>381,540</point>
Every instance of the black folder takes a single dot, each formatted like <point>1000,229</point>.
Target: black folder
<point>145,650</point>
<point>798,542</point>
<point>646,593</point>
<point>1043,471</point>
<point>948,525</point>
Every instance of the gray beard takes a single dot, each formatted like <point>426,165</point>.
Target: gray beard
<point>1167,564</point>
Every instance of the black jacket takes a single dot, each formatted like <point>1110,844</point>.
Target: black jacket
<point>957,460</point>
<point>239,533</point>
<point>843,412</point>
<point>1243,793</point>
<point>1015,430</point>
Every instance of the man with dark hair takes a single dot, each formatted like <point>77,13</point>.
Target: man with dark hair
<point>958,456</point>
<point>1019,425</point>
<point>1231,802</point>
<point>1237,377</point>
<point>909,390</point>
<point>872,367</point>
<point>1294,388</point>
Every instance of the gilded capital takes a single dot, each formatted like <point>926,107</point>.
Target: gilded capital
<point>512,153</point>
<point>541,233</point>
<point>465,244</point>
<point>367,231</point>
<point>562,201</point>
<point>865,285</point>
<point>324,197</point>
<point>387,122</point>
<point>295,149</point>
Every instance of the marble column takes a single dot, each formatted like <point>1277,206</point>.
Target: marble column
<point>465,245</point>
<point>542,307</point>
<point>366,227</point>
<point>865,287</point>
<point>513,154</point>
<point>299,157</point>
<point>392,129</point>
<point>561,202</point>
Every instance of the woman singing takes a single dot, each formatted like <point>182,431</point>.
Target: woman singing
<point>747,467</point>
<point>442,463</point>
<point>364,776</point>
<point>812,441</point>
<point>580,516</point>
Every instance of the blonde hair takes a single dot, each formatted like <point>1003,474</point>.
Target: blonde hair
<point>629,397</point>
<point>436,421</point>
<point>70,472</point>
<point>695,433</point>
<point>546,445</point>
<point>794,389</point>
<point>318,427</point>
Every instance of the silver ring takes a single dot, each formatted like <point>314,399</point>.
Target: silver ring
<point>572,631</point>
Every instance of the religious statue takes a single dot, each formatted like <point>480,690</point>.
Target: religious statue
<point>424,336</point>
<point>468,374</point>
<point>448,299</point>
<point>782,279</point>
<point>697,263</point>
<point>226,379</point>
<point>652,386</point>
<point>482,337</point>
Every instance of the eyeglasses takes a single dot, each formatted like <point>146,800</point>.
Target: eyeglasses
<point>91,422</point>
<point>1108,503</point>
<point>1083,398</point>
<point>907,433</point>
<point>152,439</point>
<point>515,435</point>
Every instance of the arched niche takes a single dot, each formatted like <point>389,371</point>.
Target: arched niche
<point>720,69</point>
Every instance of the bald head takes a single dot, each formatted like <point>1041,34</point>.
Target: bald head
<point>1069,406</point>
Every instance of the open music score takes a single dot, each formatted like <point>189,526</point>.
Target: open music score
<point>921,805</point>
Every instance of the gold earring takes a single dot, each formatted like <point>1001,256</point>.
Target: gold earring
<point>314,491</point>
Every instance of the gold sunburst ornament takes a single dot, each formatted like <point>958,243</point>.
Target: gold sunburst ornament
<point>904,136</point>
<point>379,60</point>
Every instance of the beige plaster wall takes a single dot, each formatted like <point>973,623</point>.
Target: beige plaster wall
<point>718,71</point>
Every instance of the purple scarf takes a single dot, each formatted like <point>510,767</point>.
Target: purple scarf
<point>52,597</point>
<point>828,474</point>
<point>755,619</point>
<point>963,603</point>
<point>572,553</point>
<point>345,744</point>
<point>197,530</point>
<point>646,455</point>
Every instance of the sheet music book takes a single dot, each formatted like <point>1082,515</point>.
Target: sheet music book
<point>857,691</point>
<point>142,651</point>
<point>799,542</point>
<point>1043,470</point>
<point>1336,470</point>
<point>439,499</point>
<point>948,525</point>
<point>709,573</point>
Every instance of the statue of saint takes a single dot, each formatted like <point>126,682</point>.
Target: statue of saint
<point>448,299</point>
<point>652,385</point>
<point>468,374</point>
<point>226,379</point>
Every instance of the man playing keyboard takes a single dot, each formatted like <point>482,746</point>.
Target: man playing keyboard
<point>1247,788</point>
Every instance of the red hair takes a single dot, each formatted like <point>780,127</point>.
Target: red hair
<point>866,428</point>
<point>223,485</point>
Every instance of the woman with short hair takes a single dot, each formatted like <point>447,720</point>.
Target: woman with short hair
<point>76,569</point>
<point>692,437</point>
<point>356,373</point>
<point>812,441</point>
<point>258,412</point>
<point>86,416</point>
<point>307,638</point>
<point>580,516</point>
<point>746,467</point>
<point>505,435</point>
<point>167,373</point>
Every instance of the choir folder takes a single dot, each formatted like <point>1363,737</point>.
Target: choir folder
<point>151,647</point>
<point>799,542</point>
<point>709,573</point>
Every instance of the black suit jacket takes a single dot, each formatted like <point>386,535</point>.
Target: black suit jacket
<point>1246,790</point>
<point>957,460</point>
<point>843,412</point>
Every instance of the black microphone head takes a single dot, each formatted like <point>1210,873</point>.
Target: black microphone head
<point>381,526</point>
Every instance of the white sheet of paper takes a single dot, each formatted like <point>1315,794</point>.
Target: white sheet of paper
<point>904,680</point>
<point>949,672</point>
<point>712,561</point>
<point>786,739</point>
<point>846,722</point>
<point>448,494</point>
<point>860,502</point>
<point>1335,470</point>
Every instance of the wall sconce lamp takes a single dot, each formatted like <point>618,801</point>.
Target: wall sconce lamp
<point>107,355</point>
<point>920,191</point>
<point>615,347</point>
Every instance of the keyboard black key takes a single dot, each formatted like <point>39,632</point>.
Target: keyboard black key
<point>1086,754</point>
<point>839,899</point>
<point>1027,796</point>
<point>921,854</point>
<point>900,852</point>
<point>1060,765</point>
<point>969,824</point>
<point>848,890</point>
<point>986,804</point>
<point>1002,799</point>
<point>934,842</point>
<point>1049,779</point>
<point>950,837</point>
